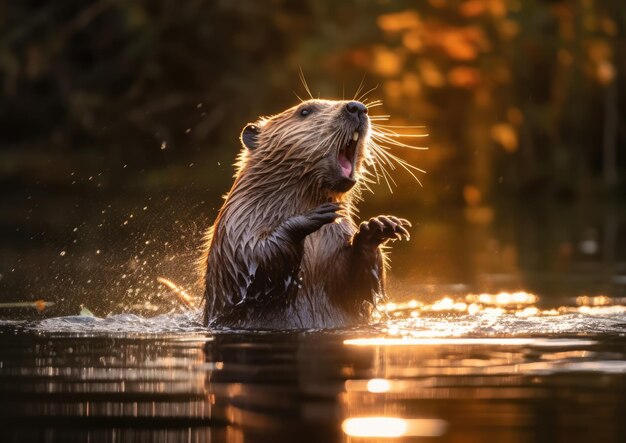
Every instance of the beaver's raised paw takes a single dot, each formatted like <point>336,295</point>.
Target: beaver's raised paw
<point>300,226</point>
<point>380,229</point>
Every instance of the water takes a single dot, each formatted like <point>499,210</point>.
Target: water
<point>504,325</point>
<point>504,372</point>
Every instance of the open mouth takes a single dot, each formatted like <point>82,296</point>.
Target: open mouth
<point>347,154</point>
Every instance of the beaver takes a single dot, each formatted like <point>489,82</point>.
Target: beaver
<point>285,251</point>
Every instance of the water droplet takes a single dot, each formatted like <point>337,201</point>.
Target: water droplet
<point>62,253</point>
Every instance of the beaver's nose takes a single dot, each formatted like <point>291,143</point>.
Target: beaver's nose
<point>356,107</point>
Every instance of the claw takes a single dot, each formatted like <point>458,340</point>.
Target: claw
<point>388,221</point>
<point>402,230</point>
<point>396,220</point>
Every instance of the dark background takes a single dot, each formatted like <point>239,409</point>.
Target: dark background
<point>119,124</point>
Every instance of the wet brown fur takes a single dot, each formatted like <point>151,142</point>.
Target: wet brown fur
<point>258,278</point>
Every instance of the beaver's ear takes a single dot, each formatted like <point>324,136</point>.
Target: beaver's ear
<point>249,136</point>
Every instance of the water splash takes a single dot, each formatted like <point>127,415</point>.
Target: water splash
<point>183,323</point>
<point>474,315</point>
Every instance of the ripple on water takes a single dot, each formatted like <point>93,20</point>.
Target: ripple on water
<point>443,318</point>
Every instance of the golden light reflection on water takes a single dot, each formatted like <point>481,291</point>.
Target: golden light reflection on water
<point>505,341</point>
<point>378,385</point>
<point>521,304</point>
<point>390,427</point>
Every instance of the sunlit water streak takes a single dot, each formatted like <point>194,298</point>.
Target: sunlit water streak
<point>474,315</point>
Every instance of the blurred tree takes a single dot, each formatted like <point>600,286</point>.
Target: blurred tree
<point>517,95</point>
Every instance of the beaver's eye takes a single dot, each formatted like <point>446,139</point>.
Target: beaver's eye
<point>305,112</point>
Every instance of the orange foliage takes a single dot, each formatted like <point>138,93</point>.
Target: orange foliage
<point>399,21</point>
<point>600,53</point>
<point>472,8</point>
<point>605,72</point>
<point>412,40</point>
<point>438,3</point>
<point>497,8</point>
<point>479,215</point>
<point>464,77</point>
<point>411,84</point>
<point>609,27</point>
<point>431,75</point>
<point>515,116</point>
<point>458,43</point>
<point>471,195</point>
<point>505,135</point>
<point>387,63</point>
<point>393,90</point>
<point>508,29</point>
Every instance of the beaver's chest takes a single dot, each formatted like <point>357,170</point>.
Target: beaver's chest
<point>325,257</point>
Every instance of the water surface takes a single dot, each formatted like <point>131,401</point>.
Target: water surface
<point>504,325</point>
<point>500,373</point>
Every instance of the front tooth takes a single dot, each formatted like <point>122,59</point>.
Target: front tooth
<point>355,136</point>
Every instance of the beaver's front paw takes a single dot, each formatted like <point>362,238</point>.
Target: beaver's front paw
<point>300,226</point>
<point>379,229</point>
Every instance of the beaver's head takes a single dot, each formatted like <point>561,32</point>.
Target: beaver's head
<point>322,139</point>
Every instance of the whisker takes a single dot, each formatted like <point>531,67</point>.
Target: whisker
<point>392,133</point>
<point>401,126</point>
<point>362,97</point>
<point>399,159</point>
<point>407,167</point>
<point>304,83</point>
<point>380,156</point>
<point>366,181</point>
<point>391,141</point>
<point>365,102</point>
<point>377,175</point>
<point>361,86</point>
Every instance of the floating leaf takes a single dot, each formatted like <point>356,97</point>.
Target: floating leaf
<point>84,312</point>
